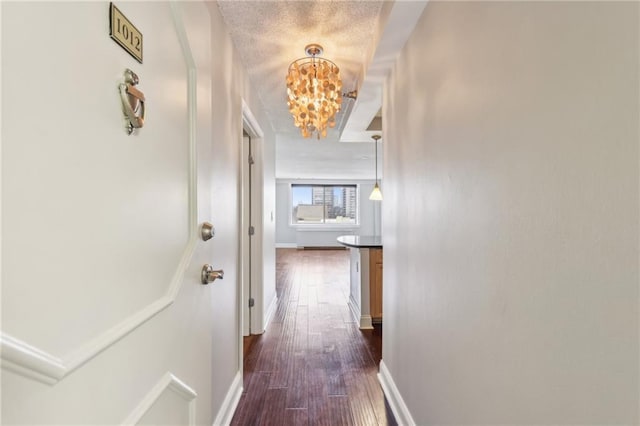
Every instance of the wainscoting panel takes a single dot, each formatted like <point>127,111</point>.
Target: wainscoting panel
<point>169,402</point>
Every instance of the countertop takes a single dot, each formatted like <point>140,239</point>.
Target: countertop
<point>360,241</point>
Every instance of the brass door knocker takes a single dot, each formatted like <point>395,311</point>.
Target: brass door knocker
<point>132,101</point>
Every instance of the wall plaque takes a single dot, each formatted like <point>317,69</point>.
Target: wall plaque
<point>123,32</point>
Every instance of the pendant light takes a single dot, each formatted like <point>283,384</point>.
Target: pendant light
<point>314,91</point>
<point>376,194</point>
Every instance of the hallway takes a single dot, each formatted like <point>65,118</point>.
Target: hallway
<point>313,365</point>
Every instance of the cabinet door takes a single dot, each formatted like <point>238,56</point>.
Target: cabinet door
<point>375,282</point>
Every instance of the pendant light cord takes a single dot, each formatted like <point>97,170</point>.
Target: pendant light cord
<point>376,142</point>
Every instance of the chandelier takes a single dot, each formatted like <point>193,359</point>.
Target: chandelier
<point>314,92</point>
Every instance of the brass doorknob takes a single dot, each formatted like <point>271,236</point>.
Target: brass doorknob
<point>209,274</point>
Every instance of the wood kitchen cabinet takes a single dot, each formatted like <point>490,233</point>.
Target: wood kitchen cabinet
<point>375,284</point>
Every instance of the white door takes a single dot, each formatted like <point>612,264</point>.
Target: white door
<point>104,319</point>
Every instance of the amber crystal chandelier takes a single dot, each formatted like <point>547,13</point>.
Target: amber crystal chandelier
<point>314,92</point>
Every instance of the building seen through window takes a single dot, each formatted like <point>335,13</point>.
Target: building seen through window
<point>324,204</point>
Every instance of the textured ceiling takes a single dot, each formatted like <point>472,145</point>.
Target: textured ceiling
<point>362,37</point>
<point>269,35</point>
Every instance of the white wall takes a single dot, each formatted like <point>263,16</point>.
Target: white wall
<point>285,233</point>
<point>268,232</point>
<point>511,214</point>
<point>265,210</point>
<point>288,236</point>
<point>230,86</point>
<point>300,158</point>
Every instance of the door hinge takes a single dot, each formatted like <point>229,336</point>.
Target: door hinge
<point>251,160</point>
<point>251,302</point>
<point>252,230</point>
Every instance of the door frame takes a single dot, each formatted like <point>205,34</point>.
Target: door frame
<point>251,284</point>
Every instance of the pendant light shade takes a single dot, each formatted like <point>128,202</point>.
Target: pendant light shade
<point>376,194</point>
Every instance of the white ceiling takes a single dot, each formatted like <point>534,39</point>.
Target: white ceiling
<point>362,37</point>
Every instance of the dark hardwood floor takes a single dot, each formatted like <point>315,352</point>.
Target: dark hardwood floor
<point>313,366</point>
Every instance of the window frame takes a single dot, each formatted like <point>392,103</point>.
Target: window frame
<point>324,226</point>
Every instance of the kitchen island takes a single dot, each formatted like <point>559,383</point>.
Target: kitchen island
<point>365,294</point>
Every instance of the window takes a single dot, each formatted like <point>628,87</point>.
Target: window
<point>324,204</point>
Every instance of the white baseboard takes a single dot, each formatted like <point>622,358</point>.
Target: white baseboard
<point>399,408</point>
<point>228,408</point>
<point>366,322</point>
<point>270,311</point>
<point>286,245</point>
